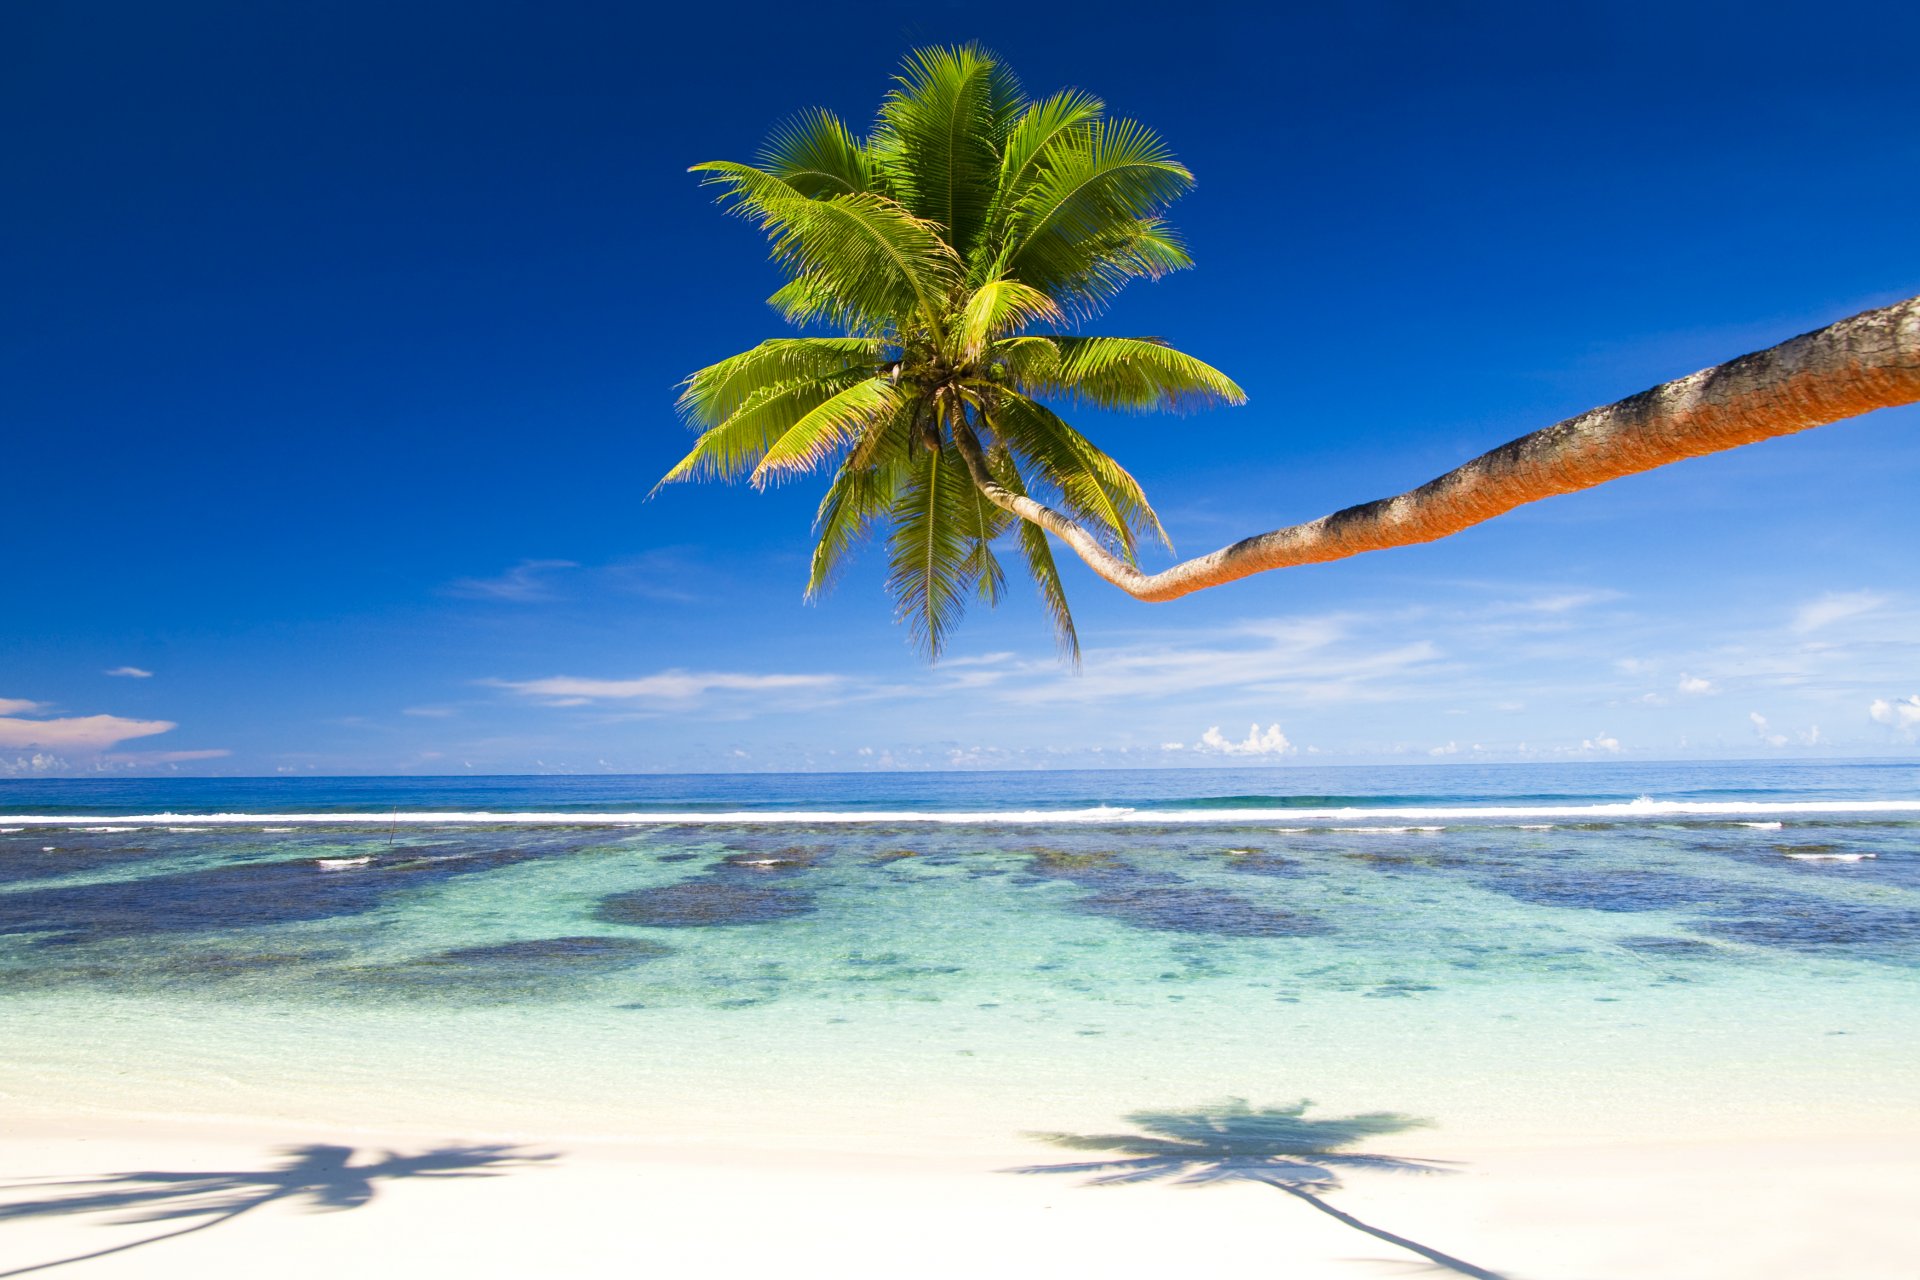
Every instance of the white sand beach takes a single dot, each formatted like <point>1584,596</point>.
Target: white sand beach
<point>1732,1210</point>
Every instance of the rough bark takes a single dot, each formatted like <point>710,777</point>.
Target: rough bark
<point>1866,362</point>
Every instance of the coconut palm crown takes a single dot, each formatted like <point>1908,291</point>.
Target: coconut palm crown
<point>946,251</point>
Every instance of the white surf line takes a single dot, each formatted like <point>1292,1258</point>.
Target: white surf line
<point>1389,831</point>
<point>1103,815</point>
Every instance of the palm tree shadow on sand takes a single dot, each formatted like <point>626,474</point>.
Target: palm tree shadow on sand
<point>1278,1147</point>
<point>324,1178</point>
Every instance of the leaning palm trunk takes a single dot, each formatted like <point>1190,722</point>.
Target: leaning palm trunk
<point>1866,362</point>
<point>957,247</point>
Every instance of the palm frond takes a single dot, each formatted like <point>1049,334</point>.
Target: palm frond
<point>939,135</point>
<point>711,395</point>
<point>1025,156</point>
<point>869,261</point>
<point>828,427</point>
<point>969,217</point>
<point>1001,306</point>
<point>933,548</point>
<point>737,443</point>
<point>817,155</point>
<point>1099,184</point>
<point>986,522</point>
<point>1121,373</point>
<point>1038,553</point>
<point>1094,488</point>
<point>858,497</point>
<point>745,190</point>
<point>877,260</point>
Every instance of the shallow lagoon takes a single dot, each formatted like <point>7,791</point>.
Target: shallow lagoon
<point>883,984</point>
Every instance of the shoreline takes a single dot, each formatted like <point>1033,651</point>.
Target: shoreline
<point>1094,815</point>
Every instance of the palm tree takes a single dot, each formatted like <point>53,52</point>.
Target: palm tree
<point>948,248</point>
<point>1231,1142</point>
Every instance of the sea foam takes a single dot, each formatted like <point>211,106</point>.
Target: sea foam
<point>1100,815</point>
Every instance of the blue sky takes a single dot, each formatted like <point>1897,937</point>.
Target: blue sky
<point>340,345</point>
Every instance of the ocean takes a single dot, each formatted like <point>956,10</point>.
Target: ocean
<point>915,962</point>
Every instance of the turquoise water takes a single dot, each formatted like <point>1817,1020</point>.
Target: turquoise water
<point>950,960</point>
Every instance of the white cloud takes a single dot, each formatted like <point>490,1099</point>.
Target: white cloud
<point>1271,743</point>
<point>1562,602</point>
<point>1301,660</point>
<point>1835,606</point>
<point>667,686</point>
<point>432,713</point>
<point>76,733</point>
<point>13,706</point>
<point>526,581</point>
<point>1902,714</point>
<point>1761,727</point>
<point>1445,749</point>
<point>38,762</point>
<point>139,759</point>
<point>980,660</point>
<point>1601,742</point>
<point>1173,746</point>
<point>1695,684</point>
<point>132,673</point>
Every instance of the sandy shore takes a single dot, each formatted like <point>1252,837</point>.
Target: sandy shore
<point>370,1204</point>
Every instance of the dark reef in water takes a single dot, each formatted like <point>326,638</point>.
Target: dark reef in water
<point>243,895</point>
<point>745,887</point>
<point>1160,900</point>
<point>504,971</point>
<point>1801,926</point>
<point>1656,945</point>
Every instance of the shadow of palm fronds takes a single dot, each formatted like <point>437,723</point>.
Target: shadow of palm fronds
<point>1230,1141</point>
<point>322,1177</point>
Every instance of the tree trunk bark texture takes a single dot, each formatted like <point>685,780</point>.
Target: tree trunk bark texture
<point>1866,362</point>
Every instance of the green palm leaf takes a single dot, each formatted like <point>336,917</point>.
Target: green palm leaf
<point>1095,488</point>
<point>1001,306</point>
<point>867,253</point>
<point>1024,158</point>
<point>939,135</point>
<point>713,394</point>
<point>817,155</point>
<point>1098,185</point>
<point>858,497</point>
<point>969,216</point>
<point>737,444</point>
<point>829,427</point>
<point>934,559</point>
<point>1122,373</point>
<point>1040,563</point>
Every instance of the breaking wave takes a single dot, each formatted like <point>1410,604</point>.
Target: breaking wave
<point>1373,816</point>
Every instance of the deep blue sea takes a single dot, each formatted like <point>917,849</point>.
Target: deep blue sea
<point>1564,786</point>
<point>918,960</point>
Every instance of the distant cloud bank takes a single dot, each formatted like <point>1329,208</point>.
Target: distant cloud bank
<point>1256,743</point>
<point>76,733</point>
<point>665,686</point>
